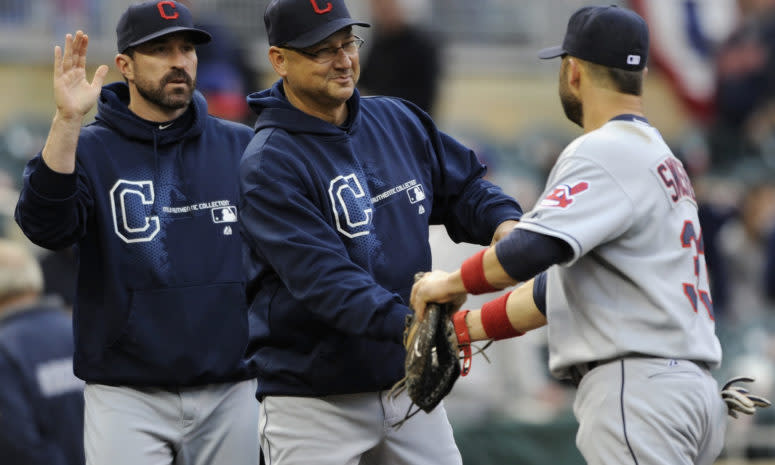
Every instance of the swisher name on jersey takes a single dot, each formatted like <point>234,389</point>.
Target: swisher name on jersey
<point>674,180</point>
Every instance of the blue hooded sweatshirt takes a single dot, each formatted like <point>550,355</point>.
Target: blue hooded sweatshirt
<point>152,211</point>
<point>336,225</point>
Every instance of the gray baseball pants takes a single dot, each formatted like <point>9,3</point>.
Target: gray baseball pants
<point>353,429</point>
<point>203,425</point>
<point>649,411</point>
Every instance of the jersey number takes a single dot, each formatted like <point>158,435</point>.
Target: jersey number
<point>127,202</point>
<point>691,236</point>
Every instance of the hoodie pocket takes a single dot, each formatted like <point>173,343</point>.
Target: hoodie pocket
<point>193,331</point>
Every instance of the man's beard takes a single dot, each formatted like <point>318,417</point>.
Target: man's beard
<point>571,105</point>
<point>573,108</point>
<point>169,100</point>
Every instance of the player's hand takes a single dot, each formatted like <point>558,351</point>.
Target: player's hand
<point>439,287</point>
<point>738,399</point>
<point>74,95</point>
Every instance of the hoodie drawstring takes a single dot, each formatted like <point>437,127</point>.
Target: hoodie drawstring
<point>155,172</point>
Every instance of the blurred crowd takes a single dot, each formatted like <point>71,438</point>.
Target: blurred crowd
<point>729,150</point>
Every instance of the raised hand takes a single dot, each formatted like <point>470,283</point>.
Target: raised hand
<point>74,95</point>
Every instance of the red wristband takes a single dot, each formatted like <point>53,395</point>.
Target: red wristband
<point>463,339</point>
<point>495,319</point>
<point>472,274</point>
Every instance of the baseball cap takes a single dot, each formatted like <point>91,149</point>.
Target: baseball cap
<point>606,35</point>
<point>146,21</point>
<point>301,23</point>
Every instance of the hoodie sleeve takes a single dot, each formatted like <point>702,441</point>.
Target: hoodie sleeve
<point>470,207</point>
<point>52,207</point>
<point>285,227</point>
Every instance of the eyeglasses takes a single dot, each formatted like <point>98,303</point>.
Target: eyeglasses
<point>324,55</point>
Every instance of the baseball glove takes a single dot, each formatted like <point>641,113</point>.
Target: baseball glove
<point>738,399</point>
<point>432,364</point>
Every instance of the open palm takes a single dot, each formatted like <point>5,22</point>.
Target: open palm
<point>73,93</point>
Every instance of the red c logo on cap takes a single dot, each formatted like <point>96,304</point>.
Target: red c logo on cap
<point>328,8</point>
<point>164,13</point>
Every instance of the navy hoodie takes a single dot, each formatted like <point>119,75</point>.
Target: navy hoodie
<point>153,215</point>
<point>336,224</point>
<point>41,402</point>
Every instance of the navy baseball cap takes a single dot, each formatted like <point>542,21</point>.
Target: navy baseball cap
<point>301,23</point>
<point>606,35</point>
<point>146,21</point>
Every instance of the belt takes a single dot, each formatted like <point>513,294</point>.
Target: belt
<point>578,371</point>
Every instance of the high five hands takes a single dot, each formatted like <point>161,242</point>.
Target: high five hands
<point>73,93</point>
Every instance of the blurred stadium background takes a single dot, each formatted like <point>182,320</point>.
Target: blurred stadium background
<point>497,97</point>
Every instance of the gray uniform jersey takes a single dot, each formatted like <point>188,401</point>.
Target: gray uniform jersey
<point>637,282</point>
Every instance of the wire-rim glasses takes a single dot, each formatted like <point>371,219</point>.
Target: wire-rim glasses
<point>324,55</point>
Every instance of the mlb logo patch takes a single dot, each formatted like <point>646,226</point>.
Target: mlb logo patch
<point>633,60</point>
<point>564,195</point>
<point>416,194</point>
<point>224,214</point>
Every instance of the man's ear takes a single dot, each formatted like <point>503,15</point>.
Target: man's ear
<point>574,73</point>
<point>279,60</point>
<point>125,66</point>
